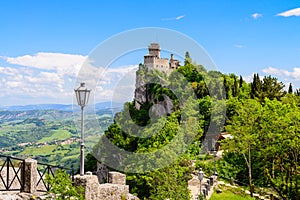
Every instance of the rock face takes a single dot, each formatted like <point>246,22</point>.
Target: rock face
<point>140,93</point>
<point>143,96</point>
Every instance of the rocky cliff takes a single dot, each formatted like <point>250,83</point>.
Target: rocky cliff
<point>149,88</point>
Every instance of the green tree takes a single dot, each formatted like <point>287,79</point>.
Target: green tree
<point>272,89</point>
<point>187,59</point>
<point>290,91</point>
<point>244,128</point>
<point>269,88</point>
<point>241,81</point>
<point>235,88</point>
<point>256,86</point>
<point>166,183</point>
<point>280,147</point>
<point>297,92</point>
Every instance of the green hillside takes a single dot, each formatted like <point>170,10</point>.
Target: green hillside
<point>48,136</point>
<point>56,135</point>
<point>262,118</point>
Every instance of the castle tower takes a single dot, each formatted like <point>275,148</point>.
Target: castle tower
<point>154,49</point>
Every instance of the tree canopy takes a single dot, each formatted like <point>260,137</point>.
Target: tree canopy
<point>262,118</point>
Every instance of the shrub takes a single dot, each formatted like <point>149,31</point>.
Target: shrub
<point>62,187</point>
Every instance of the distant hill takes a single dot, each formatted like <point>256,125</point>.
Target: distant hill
<point>48,132</point>
<point>11,115</point>
<point>62,107</point>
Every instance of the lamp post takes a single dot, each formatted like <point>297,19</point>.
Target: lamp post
<point>200,176</point>
<point>215,155</point>
<point>82,96</point>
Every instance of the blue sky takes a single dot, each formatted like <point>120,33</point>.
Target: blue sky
<point>44,43</point>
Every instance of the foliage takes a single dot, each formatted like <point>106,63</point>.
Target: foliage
<point>62,187</point>
<point>267,137</point>
<point>227,194</point>
<point>245,133</point>
<point>269,88</point>
<point>259,116</point>
<point>166,183</point>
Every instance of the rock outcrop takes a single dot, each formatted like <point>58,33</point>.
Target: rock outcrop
<point>142,95</point>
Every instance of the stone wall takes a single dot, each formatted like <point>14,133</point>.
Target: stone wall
<point>116,189</point>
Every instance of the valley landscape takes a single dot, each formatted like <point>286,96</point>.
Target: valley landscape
<point>47,133</point>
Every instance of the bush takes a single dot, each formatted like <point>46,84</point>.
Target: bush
<point>62,187</point>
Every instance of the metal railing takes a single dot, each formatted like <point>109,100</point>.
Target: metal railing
<point>45,170</point>
<point>11,173</point>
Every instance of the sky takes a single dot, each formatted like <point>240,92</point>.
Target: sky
<point>44,44</point>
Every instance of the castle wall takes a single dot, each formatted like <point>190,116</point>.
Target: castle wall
<point>161,64</point>
<point>153,60</point>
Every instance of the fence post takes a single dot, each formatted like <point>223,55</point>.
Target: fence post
<point>30,175</point>
<point>22,176</point>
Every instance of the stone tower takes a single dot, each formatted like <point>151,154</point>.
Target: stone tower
<point>153,61</point>
<point>154,49</point>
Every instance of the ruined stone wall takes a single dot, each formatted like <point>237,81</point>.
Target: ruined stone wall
<point>116,189</point>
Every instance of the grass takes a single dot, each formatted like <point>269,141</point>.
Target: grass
<point>56,135</point>
<point>39,151</point>
<point>229,195</point>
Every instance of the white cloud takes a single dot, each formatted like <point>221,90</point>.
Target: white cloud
<point>289,13</point>
<point>248,78</point>
<point>50,78</point>
<point>180,17</point>
<point>256,15</point>
<point>174,18</point>
<point>295,74</point>
<point>8,71</point>
<point>64,64</point>
<point>239,46</point>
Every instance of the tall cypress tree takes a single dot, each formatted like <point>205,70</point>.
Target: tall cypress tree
<point>256,86</point>
<point>187,59</point>
<point>226,87</point>
<point>290,91</point>
<point>235,90</point>
<point>241,81</point>
<point>297,92</point>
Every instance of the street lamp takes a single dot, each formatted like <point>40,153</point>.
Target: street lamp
<point>200,176</point>
<point>82,96</point>
<point>215,155</point>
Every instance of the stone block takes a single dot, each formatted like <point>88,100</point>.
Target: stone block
<point>116,178</point>
<point>110,191</point>
<point>90,185</point>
